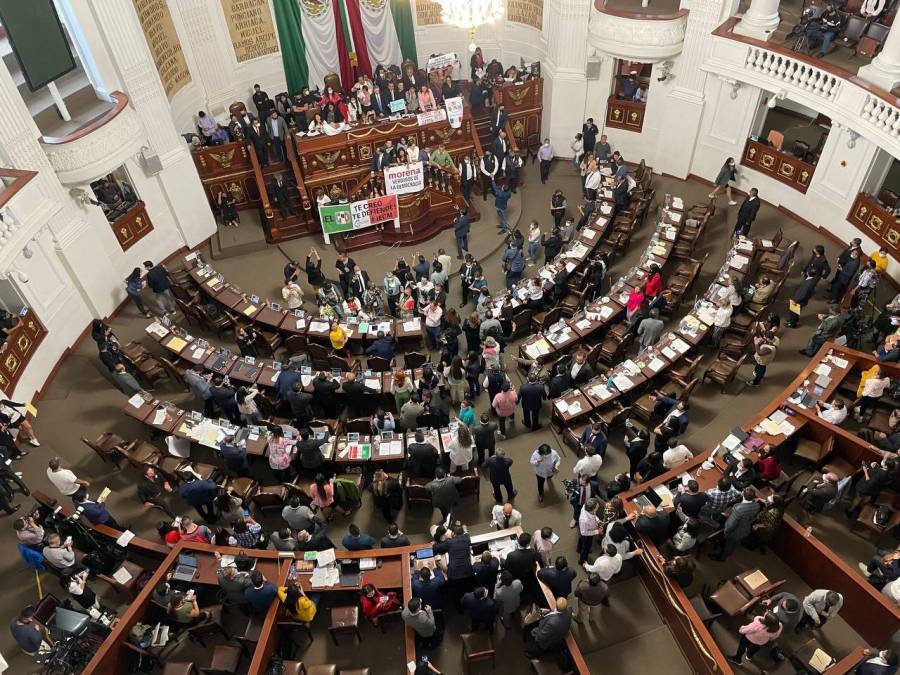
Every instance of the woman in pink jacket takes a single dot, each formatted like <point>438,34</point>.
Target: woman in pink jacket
<point>426,100</point>
<point>758,633</point>
<point>504,405</point>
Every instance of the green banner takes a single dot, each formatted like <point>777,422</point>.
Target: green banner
<point>336,218</point>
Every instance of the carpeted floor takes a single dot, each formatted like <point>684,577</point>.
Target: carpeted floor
<point>630,634</point>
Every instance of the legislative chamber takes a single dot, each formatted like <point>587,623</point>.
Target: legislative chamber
<point>444,336</point>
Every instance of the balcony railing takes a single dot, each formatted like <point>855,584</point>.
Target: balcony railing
<point>637,36</point>
<point>841,95</point>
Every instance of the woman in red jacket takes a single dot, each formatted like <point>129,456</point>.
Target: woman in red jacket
<point>374,603</point>
<point>653,287</point>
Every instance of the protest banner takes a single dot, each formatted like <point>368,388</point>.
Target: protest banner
<point>404,179</point>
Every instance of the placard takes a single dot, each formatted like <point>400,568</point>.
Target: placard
<point>529,12</point>
<point>428,13</point>
<point>337,218</point>
<point>431,117</point>
<point>251,28</point>
<point>440,62</point>
<point>398,106</point>
<point>162,39</point>
<point>404,179</point>
<point>454,107</point>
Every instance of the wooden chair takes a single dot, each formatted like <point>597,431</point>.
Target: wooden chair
<point>378,364</point>
<point>870,42</point>
<point>361,425</point>
<point>470,485</point>
<point>108,446</point>
<point>175,372</point>
<point>142,454</point>
<point>543,320</point>
<point>685,370</point>
<point>546,665</point>
<point>521,323</point>
<point>413,360</point>
<point>270,498</point>
<point>344,364</point>
<point>812,451</point>
<point>776,262</point>
<point>736,345</point>
<point>179,668</point>
<point>615,415</point>
<point>219,324</point>
<point>211,624</point>
<point>477,647</point>
<point>734,597</point>
<point>707,616</point>
<point>416,492</point>
<point>268,341</point>
<point>296,344</point>
<point>319,356</point>
<point>613,349</point>
<point>344,620</point>
<point>723,370</point>
<point>225,661</point>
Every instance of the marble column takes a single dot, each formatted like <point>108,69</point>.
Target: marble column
<point>565,97</point>
<point>760,20</point>
<point>884,70</point>
<point>118,21</point>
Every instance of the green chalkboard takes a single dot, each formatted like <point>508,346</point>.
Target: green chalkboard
<point>38,40</point>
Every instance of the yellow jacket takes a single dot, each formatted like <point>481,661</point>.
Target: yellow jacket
<point>304,611</point>
<point>881,261</point>
<point>866,374</point>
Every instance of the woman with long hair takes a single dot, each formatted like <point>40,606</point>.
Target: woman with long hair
<point>374,603</point>
<point>461,449</point>
<point>402,387</point>
<point>727,175</point>
<point>387,495</point>
<point>455,375</point>
<point>297,605</point>
<point>133,286</point>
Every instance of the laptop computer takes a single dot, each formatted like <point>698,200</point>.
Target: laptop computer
<point>648,498</point>
<point>424,553</point>
<point>479,548</point>
<point>349,573</point>
<point>186,569</point>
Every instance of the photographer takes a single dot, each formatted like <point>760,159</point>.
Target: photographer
<point>76,584</point>
<point>28,532</point>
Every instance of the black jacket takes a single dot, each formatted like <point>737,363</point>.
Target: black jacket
<point>532,395</point>
<point>520,563</point>
<point>499,468</point>
<point>748,210</point>
<point>459,552</point>
<point>421,460</point>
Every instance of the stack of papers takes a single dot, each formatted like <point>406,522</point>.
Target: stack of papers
<point>325,577</point>
<point>156,328</point>
<point>601,392</point>
<point>588,233</point>
<point>838,361</point>
<point>739,261</point>
<point>412,324</point>
<point>176,344</point>
<point>562,406</point>
<point>318,326</point>
<point>656,364</point>
<point>575,407</point>
<point>136,401</point>
<point>679,346</point>
<point>623,382</point>
<point>669,353</point>
<point>390,448</point>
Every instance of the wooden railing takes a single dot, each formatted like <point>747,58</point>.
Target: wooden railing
<point>121,102</point>
<point>267,216</point>
<point>623,114</point>
<point>779,165</point>
<point>877,222</point>
<point>19,348</point>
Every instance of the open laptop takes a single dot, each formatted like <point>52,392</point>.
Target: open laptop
<point>186,569</point>
<point>349,572</point>
<point>648,498</point>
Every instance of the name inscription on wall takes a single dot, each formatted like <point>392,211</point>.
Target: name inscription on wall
<point>529,12</point>
<point>428,13</point>
<point>159,31</point>
<point>251,28</point>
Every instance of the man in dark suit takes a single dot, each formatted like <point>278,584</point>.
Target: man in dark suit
<point>551,631</point>
<point>532,396</point>
<point>559,578</point>
<point>883,663</point>
<point>460,575</point>
<point>739,524</point>
<point>520,563</point>
<point>481,608</point>
<point>344,265</point>
<point>513,169</point>
<point>653,523</point>
<point>359,282</point>
<point>500,148</point>
<point>355,396</point>
<point>498,465</point>
<point>593,437</point>
<point>383,347</point>
<point>742,474</point>
<point>580,370</point>
<point>747,213</point>
<point>421,458</point>
<point>224,396</point>
<point>559,383</point>
<point>498,120</point>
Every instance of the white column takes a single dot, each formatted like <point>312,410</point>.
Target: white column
<point>565,93</point>
<point>208,47</point>
<point>760,20</point>
<point>118,22</point>
<point>884,70</point>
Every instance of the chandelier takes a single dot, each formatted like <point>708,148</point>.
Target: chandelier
<point>470,14</point>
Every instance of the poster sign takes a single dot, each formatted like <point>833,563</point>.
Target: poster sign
<point>428,12</point>
<point>250,27</point>
<point>454,108</point>
<point>404,179</point>
<point>165,47</point>
<point>441,61</point>
<point>398,106</point>
<point>337,218</point>
<point>431,117</point>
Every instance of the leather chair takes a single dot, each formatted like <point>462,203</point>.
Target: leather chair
<point>723,370</point>
<point>345,365</point>
<point>470,485</point>
<point>361,425</point>
<point>546,665</point>
<point>813,451</point>
<point>225,661</point>
<point>142,454</point>
<point>290,627</point>
<point>870,42</point>
<point>296,344</point>
<point>211,624</point>
<point>416,492</point>
<point>379,365</point>
<point>251,634</point>
<point>735,598</point>
<point>344,620</point>
<point>413,360</point>
<point>355,671</point>
<point>477,646</point>
<point>270,498</point>
<point>852,32</point>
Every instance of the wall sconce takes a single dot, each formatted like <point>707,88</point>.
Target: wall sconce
<point>735,87</point>
<point>773,100</point>
<point>664,71</point>
<point>851,142</point>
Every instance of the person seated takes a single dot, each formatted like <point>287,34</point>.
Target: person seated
<point>297,605</point>
<point>355,540</point>
<point>375,603</point>
<point>680,568</point>
<point>742,474</point>
<point>767,467</point>
<point>833,413</point>
<point>816,495</point>
<point>260,593</point>
<point>676,454</point>
<point>58,553</point>
<point>184,610</point>
<point>394,537</point>
<point>550,633</point>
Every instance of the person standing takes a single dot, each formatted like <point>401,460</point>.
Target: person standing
<point>739,524</point>
<point>545,156</point>
<point>467,175</point>
<point>558,206</point>
<point>590,592</point>
<point>201,495</point>
<point>727,175</point>
<point>161,284</point>
<point>755,635</point>
<point>133,286</point>
<point>765,347</point>
<point>532,396</point>
<point>433,314</point>
<point>829,326</point>
<point>501,203</point>
<point>498,466</point>
<point>589,133</point>
<point>514,264</point>
<point>844,275</point>
<point>504,405</point>
<point>461,232</point>
<point>545,463</point>
<point>513,168</point>
<point>488,167</point>
<point>747,213</point>
<point>460,574</point>
<point>588,528</point>
<point>816,269</point>
<point>818,607</point>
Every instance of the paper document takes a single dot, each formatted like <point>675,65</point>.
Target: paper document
<point>122,575</point>
<point>412,324</point>
<point>575,408</point>
<point>136,401</point>
<point>249,309</point>
<point>318,326</point>
<point>325,557</point>
<point>669,353</point>
<point>159,417</point>
<point>562,406</point>
<point>176,344</point>
<point>838,361</point>
<point>656,364</point>
<point>124,538</point>
<point>820,661</point>
<point>755,580</point>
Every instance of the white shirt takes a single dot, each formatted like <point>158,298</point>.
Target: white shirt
<point>592,182</point>
<point>459,454</point>
<point>64,480</point>
<point>675,456</point>
<point>834,415</point>
<point>606,566</point>
<point>588,465</point>
<point>723,317</point>
<point>875,387</point>
<point>892,591</point>
<point>515,518</point>
<point>293,296</point>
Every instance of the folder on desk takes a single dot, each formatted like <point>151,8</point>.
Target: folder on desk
<point>756,580</point>
<point>820,661</point>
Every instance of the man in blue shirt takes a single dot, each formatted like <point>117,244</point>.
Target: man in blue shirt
<point>159,283</point>
<point>428,585</point>
<point>514,263</point>
<point>260,594</point>
<point>355,540</point>
<point>628,86</point>
<point>285,382</point>
<point>383,347</point>
<point>501,201</point>
<point>200,494</point>
<point>94,511</point>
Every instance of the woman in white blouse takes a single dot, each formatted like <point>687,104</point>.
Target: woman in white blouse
<point>292,294</point>
<point>460,449</point>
